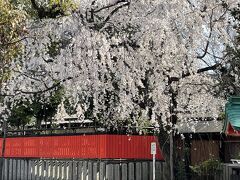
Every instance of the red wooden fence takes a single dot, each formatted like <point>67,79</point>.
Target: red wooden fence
<point>82,147</point>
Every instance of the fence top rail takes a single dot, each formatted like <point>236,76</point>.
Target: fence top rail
<point>122,130</point>
<point>112,161</point>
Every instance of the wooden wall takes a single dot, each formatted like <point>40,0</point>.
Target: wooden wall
<point>202,150</point>
<point>231,150</point>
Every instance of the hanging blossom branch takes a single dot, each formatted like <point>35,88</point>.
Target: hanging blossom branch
<point>19,91</point>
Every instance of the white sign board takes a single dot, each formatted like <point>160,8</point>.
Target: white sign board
<point>153,148</point>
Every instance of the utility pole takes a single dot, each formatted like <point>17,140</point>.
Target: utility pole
<point>173,120</point>
<point>171,157</point>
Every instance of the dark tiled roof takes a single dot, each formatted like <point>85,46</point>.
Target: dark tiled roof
<point>200,127</point>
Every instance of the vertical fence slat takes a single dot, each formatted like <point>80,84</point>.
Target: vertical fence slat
<point>131,171</point>
<point>165,171</point>
<point>60,170</point>
<point>18,169</point>
<point>124,171</point>
<point>116,172</point>
<point>65,165</point>
<point>47,170</point>
<point>51,169</point>
<point>56,170</point>
<point>79,170</point>
<point>10,172</point>
<point>138,171</point>
<point>74,168</point>
<point>22,169</point>
<point>102,171</point>
<point>150,170</point>
<point>95,171</point>
<point>43,170</point>
<point>29,166</point>
<point>37,174</point>
<point>84,170</point>
<point>229,169</point>
<point>38,170</point>
<point>14,174</point>
<point>34,170</point>
<point>109,172</point>
<point>144,170</point>
<point>25,170</point>
<point>158,171</point>
<point>90,171</point>
<point>70,171</point>
<point>6,169</point>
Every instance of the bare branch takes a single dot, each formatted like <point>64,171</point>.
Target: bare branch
<point>13,42</point>
<point>209,36</point>
<point>47,89</point>
<point>202,70</point>
<point>113,12</point>
<point>109,6</point>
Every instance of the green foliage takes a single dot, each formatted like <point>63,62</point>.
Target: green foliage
<point>21,114</point>
<point>54,47</point>
<point>68,107</point>
<point>12,24</point>
<point>24,111</point>
<point>237,156</point>
<point>230,73</point>
<point>207,167</point>
<point>63,5</point>
<point>45,9</point>
<point>181,171</point>
<point>222,116</point>
<point>51,9</point>
<point>143,124</point>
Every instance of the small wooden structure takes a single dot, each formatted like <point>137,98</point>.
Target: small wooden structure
<point>201,143</point>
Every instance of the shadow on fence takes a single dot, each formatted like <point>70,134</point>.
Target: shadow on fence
<point>46,169</point>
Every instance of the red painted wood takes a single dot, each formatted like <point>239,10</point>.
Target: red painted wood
<point>82,146</point>
<point>231,132</point>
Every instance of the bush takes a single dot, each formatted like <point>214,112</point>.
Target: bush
<point>208,167</point>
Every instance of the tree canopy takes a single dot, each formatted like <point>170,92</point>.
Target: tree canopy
<point>12,26</point>
<point>127,62</point>
<point>229,79</point>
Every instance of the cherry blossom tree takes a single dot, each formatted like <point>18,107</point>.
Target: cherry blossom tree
<point>123,62</point>
<point>126,61</point>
